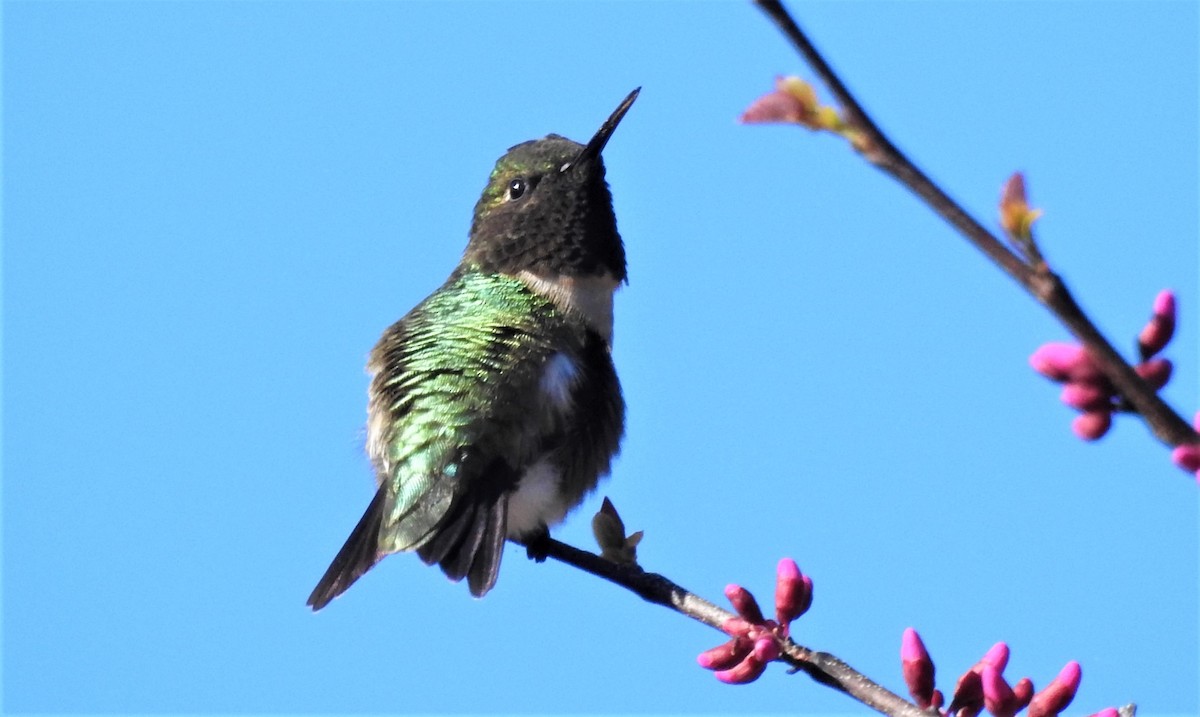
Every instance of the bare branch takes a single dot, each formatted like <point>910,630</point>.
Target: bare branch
<point>1036,277</point>
<point>652,587</point>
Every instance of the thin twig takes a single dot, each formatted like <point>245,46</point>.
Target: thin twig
<point>654,588</point>
<point>1037,279</point>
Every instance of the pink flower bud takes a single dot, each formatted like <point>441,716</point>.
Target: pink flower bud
<point>912,648</point>
<point>998,697</point>
<point>1062,362</point>
<point>723,657</point>
<point>968,694</point>
<point>793,592</point>
<point>1023,692</point>
<point>774,107</point>
<point>793,101</point>
<point>766,649</point>
<point>1155,372</point>
<point>1092,425</point>
<point>1161,327</point>
<point>808,594</point>
<point>744,603</point>
<point>1058,694</point>
<point>997,656</point>
<point>746,671</point>
<point>1107,712</point>
<point>1087,396</point>
<point>917,668</point>
<point>1187,457</point>
<point>1164,304</point>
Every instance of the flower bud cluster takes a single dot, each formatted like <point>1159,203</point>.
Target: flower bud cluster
<point>1088,390</point>
<point>755,640</point>
<point>983,687</point>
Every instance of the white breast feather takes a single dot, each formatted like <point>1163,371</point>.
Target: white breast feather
<point>588,296</point>
<point>536,502</point>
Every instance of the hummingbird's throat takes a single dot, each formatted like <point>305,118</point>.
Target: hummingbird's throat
<point>588,296</point>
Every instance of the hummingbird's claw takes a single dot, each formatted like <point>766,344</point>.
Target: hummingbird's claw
<point>537,546</point>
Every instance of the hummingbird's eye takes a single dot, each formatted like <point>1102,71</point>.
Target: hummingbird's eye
<point>516,188</point>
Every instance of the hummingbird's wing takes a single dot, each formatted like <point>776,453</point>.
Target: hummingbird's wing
<point>456,413</point>
<point>358,555</point>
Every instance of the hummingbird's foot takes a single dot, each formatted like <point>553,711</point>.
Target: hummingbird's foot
<point>537,545</point>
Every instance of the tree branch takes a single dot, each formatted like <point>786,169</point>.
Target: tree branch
<point>652,587</point>
<point>1036,278</point>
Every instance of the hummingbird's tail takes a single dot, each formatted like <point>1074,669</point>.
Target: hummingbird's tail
<point>357,556</point>
<point>469,542</point>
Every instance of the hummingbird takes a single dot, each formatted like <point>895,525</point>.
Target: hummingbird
<point>494,407</point>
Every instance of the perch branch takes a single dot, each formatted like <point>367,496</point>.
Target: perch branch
<point>654,588</point>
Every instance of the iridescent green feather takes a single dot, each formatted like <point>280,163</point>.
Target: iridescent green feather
<point>453,381</point>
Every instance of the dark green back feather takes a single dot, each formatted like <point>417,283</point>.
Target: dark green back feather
<point>451,394</point>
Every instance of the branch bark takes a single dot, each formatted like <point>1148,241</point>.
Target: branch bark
<point>652,587</point>
<point>820,666</point>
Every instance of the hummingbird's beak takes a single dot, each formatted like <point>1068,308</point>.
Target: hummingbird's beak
<point>597,142</point>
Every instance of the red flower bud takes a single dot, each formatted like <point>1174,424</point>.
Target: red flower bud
<point>1062,362</point>
<point>766,649</point>
<point>744,603</point>
<point>1188,458</point>
<point>1087,396</point>
<point>1158,332</point>
<point>998,697</point>
<point>1155,372</point>
<point>748,670</point>
<point>997,656</point>
<point>793,592</point>
<point>1058,694</point>
<point>917,668</point>
<point>1023,692</point>
<point>1164,304</point>
<point>1092,425</point>
<point>725,656</point>
<point>968,694</point>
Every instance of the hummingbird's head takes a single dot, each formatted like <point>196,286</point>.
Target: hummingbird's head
<point>547,211</point>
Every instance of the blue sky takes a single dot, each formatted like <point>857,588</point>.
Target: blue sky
<point>211,211</point>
